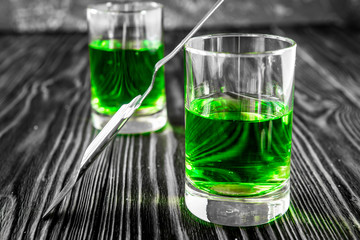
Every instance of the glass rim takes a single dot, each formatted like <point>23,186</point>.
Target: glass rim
<point>249,55</point>
<point>148,6</point>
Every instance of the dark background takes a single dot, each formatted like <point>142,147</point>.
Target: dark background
<point>69,15</point>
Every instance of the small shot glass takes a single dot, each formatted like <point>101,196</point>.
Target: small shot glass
<point>125,42</point>
<point>239,97</point>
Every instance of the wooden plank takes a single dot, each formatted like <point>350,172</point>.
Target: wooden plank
<point>136,190</point>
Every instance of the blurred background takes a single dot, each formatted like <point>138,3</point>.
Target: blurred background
<point>69,15</point>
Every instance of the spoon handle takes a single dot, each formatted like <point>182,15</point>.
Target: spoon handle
<point>161,62</point>
<point>164,60</point>
<point>119,119</point>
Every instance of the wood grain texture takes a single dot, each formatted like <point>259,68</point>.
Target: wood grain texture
<point>136,189</point>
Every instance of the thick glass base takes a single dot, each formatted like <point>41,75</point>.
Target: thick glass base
<point>136,124</point>
<point>237,211</point>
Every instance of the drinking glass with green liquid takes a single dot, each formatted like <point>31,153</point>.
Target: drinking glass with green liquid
<point>126,41</point>
<point>238,125</point>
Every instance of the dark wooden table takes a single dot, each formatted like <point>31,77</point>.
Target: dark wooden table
<point>136,189</point>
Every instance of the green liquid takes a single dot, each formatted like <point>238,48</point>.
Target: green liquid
<point>118,75</point>
<point>237,145</point>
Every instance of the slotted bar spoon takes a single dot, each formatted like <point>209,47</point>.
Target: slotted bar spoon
<point>120,118</point>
